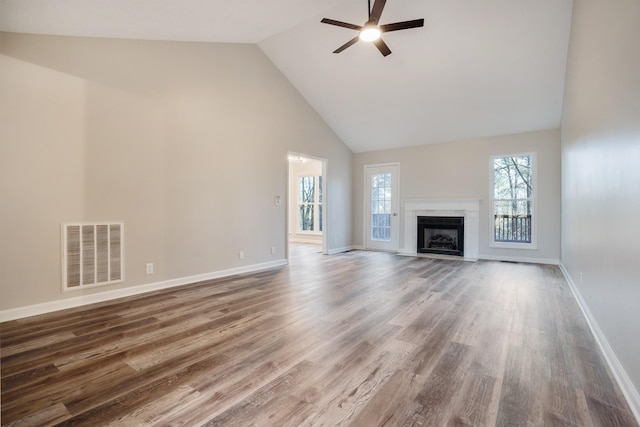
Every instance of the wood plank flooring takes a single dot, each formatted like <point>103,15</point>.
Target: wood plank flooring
<point>359,339</point>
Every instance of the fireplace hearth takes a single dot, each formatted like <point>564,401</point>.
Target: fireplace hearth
<point>440,235</point>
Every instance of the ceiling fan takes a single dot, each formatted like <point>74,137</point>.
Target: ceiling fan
<point>371,31</point>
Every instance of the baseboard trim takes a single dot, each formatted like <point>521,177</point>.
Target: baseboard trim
<point>528,260</point>
<point>48,307</point>
<point>340,250</point>
<point>302,240</point>
<point>620,375</point>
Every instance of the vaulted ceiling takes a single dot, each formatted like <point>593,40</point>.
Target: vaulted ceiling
<point>477,67</point>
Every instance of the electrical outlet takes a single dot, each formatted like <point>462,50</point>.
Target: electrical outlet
<point>149,268</point>
<point>273,250</point>
<point>241,255</point>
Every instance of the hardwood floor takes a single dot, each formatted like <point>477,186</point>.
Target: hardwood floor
<point>361,339</point>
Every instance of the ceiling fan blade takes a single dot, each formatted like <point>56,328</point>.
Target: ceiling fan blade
<point>347,44</point>
<point>341,24</point>
<point>404,25</point>
<point>376,11</point>
<point>382,47</point>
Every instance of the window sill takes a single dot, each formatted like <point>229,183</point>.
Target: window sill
<point>505,245</point>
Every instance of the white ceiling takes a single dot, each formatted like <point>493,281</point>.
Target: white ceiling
<point>477,68</point>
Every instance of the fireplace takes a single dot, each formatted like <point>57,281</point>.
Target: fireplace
<point>469,209</point>
<point>441,235</point>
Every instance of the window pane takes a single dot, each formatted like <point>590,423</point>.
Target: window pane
<point>380,227</point>
<point>381,233</point>
<point>512,221</point>
<point>320,189</point>
<point>320,217</point>
<point>513,199</point>
<point>307,187</point>
<point>512,177</point>
<point>381,207</point>
<point>306,217</point>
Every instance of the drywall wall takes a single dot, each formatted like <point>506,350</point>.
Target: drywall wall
<point>601,173</point>
<point>185,142</point>
<point>41,176</point>
<point>461,170</point>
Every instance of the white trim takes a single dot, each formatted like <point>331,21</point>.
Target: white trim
<point>47,307</point>
<point>325,202</point>
<point>620,375</point>
<point>467,208</point>
<point>528,260</point>
<point>533,245</point>
<point>310,240</point>
<point>394,244</point>
<point>341,250</point>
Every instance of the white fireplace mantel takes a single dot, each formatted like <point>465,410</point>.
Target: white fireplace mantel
<point>467,208</point>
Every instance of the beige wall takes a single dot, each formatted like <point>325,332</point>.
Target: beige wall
<point>41,176</point>
<point>185,142</point>
<point>601,172</point>
<point>461,170</point>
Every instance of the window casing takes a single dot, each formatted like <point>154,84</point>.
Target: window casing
<point>310,204</point>
<point>513,196</point>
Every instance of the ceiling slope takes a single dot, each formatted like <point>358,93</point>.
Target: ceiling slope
<point>477,68</point>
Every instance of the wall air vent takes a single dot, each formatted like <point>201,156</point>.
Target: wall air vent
<point>92,254</point>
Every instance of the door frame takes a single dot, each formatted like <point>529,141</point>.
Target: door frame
<point>325,201</point>
<point>395,208</point>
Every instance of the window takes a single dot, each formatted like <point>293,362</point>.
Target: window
<point>381,206</point>
<point>512,201</point>
<point>310,204</point>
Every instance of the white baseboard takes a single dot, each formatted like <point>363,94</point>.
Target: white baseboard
<point>521,259</point>
<point>314,241</point>
<point>48,307</point>
<point>620,375</point>
<point>340,250</point>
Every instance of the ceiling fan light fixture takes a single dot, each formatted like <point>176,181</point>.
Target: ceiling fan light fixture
<point>370,33</point>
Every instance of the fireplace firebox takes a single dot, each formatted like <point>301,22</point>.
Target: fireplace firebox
<point>441,235</point>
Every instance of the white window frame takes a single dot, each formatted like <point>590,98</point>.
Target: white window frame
<point>316,205</point>
<point>533,199</point>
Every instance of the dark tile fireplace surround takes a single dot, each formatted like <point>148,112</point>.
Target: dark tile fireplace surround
<point>441,235</point>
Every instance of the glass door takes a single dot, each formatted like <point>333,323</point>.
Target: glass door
<point>381,216</point>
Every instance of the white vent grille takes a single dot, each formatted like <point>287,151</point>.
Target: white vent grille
<point>92,254</point>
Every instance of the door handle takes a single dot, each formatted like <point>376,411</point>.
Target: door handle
<point>395,214</point>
